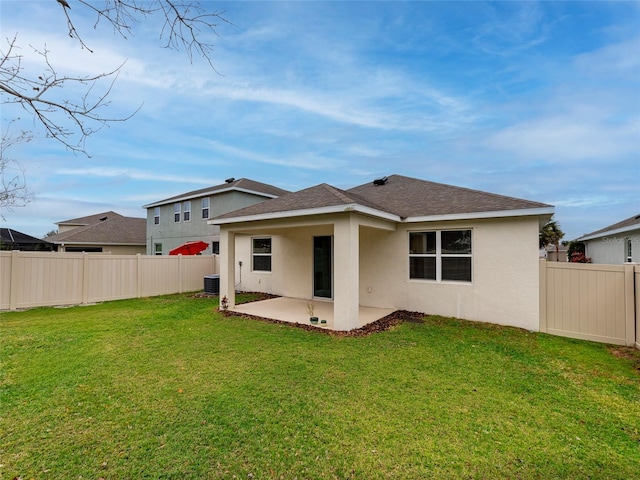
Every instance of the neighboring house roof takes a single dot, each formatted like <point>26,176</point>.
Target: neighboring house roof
<point>108,228</point>
<point>399,198</point>
<point>631,223</point>
<point>243,185</point>
<point>15,239</point>
<point>88,220</point>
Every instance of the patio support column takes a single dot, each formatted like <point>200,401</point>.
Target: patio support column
<point>346,263</point>
<point>227,266</point>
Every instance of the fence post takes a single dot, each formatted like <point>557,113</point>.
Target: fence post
<point>85,278</point>
<point>636,269</point>
<point>543,295</point>
<point>138,275</point>
<point>180,266</point>
<point>629,305</point>
<point>15,278</point>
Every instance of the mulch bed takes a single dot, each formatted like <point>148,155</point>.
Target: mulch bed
<point>381,325</point>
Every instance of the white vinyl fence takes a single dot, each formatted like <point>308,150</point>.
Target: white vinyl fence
<point>33,279</point>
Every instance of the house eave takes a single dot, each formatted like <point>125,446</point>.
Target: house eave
<point>206,194</point>
<point>524,212</point>
<point>384,215</point>
<point>608,233</point>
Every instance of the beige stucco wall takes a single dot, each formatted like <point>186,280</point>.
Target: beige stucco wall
<point>505,284</point>
<point>505,287</point>
<point>113,249</point>
<point>124,249</point>
<point>292,261</point>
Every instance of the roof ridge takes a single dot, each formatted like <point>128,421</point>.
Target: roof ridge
<point>88,218</point>
<point>475,190</point>
<point>350,197</point>
<point>341,194</point>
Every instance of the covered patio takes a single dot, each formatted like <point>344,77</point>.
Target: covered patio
<point>294,310</point>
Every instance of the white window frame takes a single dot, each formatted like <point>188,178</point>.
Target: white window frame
<point>628,250</point>
<point>439,256</point>
<point>177,212</point>
<point>156,215</point>
<point>186,211</point>
<point>157,248</point>
<point>206,204</point>
<point>254,254</point>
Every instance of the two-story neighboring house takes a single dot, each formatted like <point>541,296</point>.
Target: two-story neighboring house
<point>183,218</point>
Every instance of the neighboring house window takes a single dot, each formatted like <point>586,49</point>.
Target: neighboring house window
<point>205,208</point>
<point>156,216</point>
<point>176,212</point>
<point>157,249</point>
<point>187,211</point>
<point>629,249</point>
<point>215,248</point>
<point>261,254</point>
<point>440,255</point>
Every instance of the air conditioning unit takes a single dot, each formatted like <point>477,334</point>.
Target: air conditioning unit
<point>212,284</point>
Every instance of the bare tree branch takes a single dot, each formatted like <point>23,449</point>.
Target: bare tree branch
<point>61,119</point>
<point>51,98</point>
<point>14,191</point>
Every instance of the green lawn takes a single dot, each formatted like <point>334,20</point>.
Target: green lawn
<point>166,387</point>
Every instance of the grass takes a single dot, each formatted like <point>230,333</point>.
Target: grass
<point>166,387</point>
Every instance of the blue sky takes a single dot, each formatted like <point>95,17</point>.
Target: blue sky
<point>537,100</point>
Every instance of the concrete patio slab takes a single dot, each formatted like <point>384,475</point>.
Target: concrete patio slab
<point>294,310</point>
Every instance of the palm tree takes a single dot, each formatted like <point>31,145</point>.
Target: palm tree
<point>551,234</point>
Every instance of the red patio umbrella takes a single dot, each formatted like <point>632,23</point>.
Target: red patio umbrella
<point>189,248</point>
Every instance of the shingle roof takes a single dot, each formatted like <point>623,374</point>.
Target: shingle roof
<point>320,196</point>
<point>240,184</point>
<point>402,196</point>
<point>625,224</point>
<point>89,219</point>
<point>9,236</point>
<point>108,228</point>
<point>412,197</point>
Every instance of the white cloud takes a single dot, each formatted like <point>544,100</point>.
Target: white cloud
<point>306,161</point>
<point>567,138</point>
<point>114,172</point>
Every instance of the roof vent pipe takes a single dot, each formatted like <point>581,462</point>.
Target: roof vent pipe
<point>380,181</point>
<point>229,180</point>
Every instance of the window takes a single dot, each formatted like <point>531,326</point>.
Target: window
<point>205,208</point>
<point>215,248</point>
<point>156,216</point>
<point>422,255</point>
<point>187,211</point>
<point>261,253</point>
<point>440,255</point>
<point>157,249</point>
<point>628,250</point>
<point>176,212</point>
